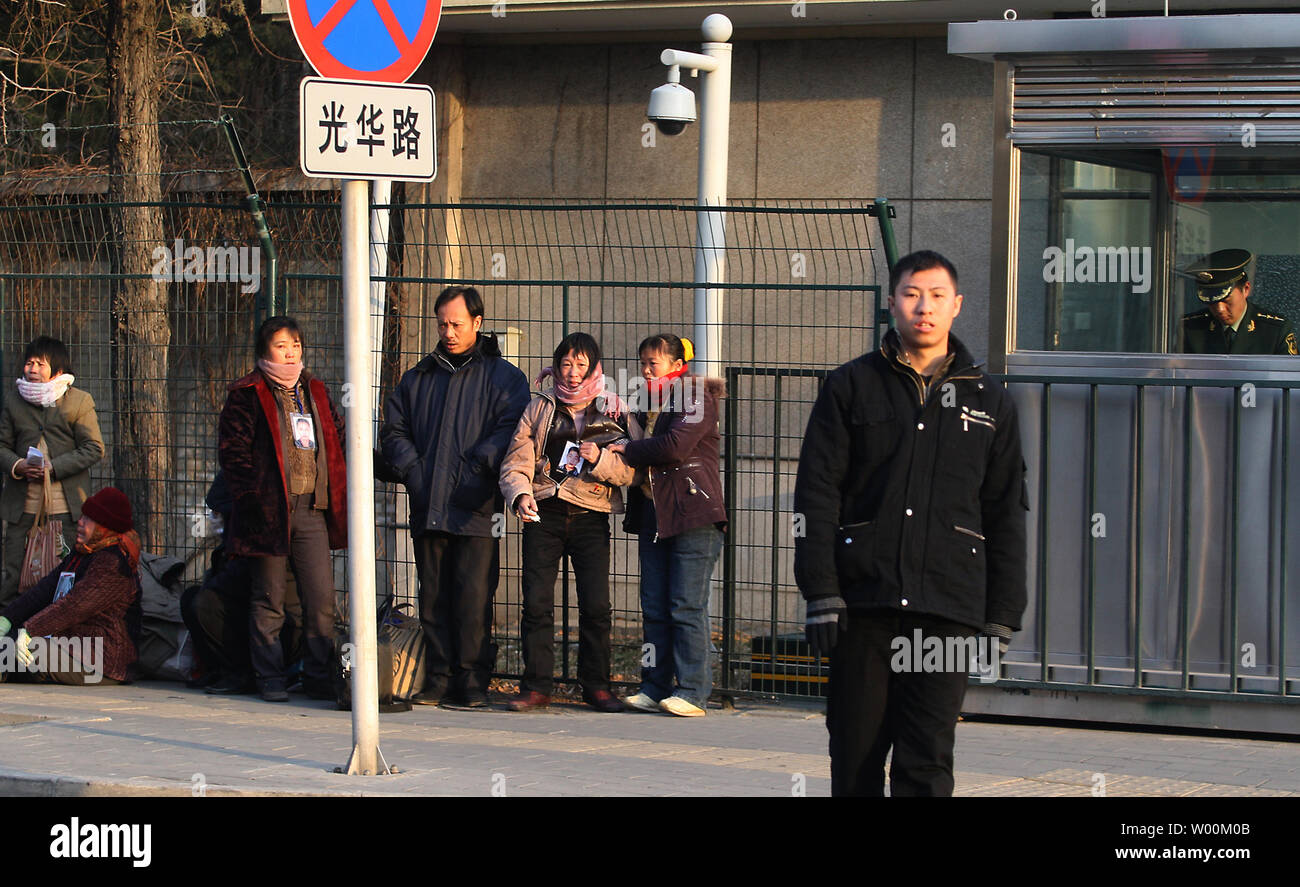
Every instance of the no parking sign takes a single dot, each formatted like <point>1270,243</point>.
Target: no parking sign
<point>375,40</point>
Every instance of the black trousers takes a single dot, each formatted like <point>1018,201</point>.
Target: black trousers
<point>216,613</point>
<point>582,535</point>
<point>879,700</point>
<point>314,571</point>
<point>458,578</point>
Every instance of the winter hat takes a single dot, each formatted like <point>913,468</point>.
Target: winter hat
<point>110,509</point>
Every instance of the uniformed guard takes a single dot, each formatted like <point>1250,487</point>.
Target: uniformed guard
<point>1231,324</point>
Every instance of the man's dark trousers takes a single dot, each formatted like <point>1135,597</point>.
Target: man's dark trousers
<point>872,708</point>
<point>216,614</point>
<point>458,578</point>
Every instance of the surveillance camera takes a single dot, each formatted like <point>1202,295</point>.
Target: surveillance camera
<point>672,107</point>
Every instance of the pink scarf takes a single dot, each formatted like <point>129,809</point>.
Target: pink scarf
<point>283,374</point>
<point>592,388</point>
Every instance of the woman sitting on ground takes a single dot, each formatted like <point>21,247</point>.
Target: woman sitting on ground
<point>79,625</point>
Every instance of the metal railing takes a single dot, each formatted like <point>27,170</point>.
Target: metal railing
<point>1175,614</point>
<point>1187,617</point>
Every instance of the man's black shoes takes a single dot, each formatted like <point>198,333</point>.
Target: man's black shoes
<point>274,691</point>
<point>428,697</point>
<point>230,686</point>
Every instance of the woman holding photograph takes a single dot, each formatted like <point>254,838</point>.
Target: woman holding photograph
<point>53,418</point>
<point>565,512</point>
<point>290,502</point>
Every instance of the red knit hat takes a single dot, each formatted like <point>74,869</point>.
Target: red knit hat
<point>110,509</point>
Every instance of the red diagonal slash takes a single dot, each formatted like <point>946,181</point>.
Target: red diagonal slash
<point>394,28</point>
<point>332,18</point>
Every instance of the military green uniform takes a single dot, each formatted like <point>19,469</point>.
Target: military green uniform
<point>1258,333</point>
<point>1224,274</point>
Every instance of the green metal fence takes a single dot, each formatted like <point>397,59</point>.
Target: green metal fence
<point>1161,605</point>
<point>56,279</point>
<point>802,293</point>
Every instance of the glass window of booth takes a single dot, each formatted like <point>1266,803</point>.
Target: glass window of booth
<point>1103,235</point>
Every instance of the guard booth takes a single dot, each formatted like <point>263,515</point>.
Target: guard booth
<point>1164,530</point>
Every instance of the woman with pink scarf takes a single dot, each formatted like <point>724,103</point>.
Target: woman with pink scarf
<point>49,417</point>
<point>290,502</point>
<point>547,481</point>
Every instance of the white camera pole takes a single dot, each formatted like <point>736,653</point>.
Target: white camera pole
<point>366,759</point>
<point>710,226</point>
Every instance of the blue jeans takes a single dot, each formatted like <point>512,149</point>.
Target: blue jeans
<point>675,574</point>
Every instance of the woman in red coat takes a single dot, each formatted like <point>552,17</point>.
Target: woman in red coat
<point>280,443</point>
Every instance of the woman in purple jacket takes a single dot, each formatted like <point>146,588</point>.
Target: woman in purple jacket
<point>675,507</point>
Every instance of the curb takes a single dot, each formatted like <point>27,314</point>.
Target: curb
<point>19,784</point>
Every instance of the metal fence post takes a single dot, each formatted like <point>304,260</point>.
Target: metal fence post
<point>564,559</point>
<point>883,210</point>
<point>256,208</point>
<point>729,540</point>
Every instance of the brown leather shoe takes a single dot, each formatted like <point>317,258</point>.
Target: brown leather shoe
<point>528,700</point>
<point>603,700</point>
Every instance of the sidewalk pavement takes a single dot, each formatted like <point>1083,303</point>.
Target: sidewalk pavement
<point>156,738</point>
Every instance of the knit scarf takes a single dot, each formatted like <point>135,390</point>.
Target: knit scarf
<point>45,394</point>
<point>591,389</point>
<point>283,374</point>
<point>656,386</point>
<point>128,543</point>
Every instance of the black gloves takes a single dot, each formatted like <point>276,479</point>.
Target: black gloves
<point>249,510</point>
<point>822,625</point>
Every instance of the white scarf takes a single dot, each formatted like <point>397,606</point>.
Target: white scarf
<point>45,394</point>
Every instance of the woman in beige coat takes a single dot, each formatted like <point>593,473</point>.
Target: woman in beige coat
<point>45,413</point>
<point>547,481</point>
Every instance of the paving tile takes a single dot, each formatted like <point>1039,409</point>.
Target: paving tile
<point>154,738</point>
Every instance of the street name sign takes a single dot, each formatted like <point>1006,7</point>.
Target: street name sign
<point>351,130</point>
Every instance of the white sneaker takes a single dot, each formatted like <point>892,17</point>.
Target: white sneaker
<point>676,705</point>
<point>641,702</point>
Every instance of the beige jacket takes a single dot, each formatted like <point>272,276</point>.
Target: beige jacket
<point>524,469</point>
<point>71,433</point>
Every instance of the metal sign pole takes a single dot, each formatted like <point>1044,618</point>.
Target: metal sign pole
<point>366,759</point>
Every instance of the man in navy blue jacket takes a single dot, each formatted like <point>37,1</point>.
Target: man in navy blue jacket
<point>446,429</point>
<point>911,484</point>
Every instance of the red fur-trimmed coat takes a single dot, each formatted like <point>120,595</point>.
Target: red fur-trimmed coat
<point>251,452</point>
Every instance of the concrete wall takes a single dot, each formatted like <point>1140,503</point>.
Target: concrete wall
<point>854,118</point>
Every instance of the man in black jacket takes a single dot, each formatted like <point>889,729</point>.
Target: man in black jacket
<point>911,486</point>
<point>446,429</point>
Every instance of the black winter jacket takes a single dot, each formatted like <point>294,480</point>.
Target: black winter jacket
<point>445,432</point>
<point>914,499</point>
